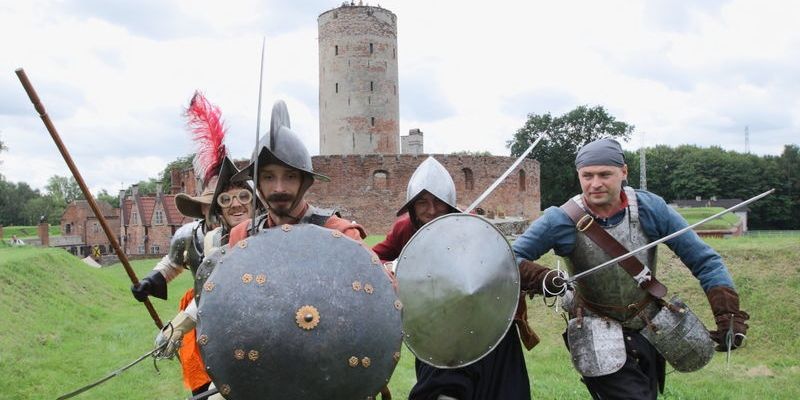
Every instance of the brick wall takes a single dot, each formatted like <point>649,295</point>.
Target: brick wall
<point>371,188</point>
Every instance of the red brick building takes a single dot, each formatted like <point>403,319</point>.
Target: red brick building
<point>148,222</point>
<point>81,230</point>
<point>371,188</point>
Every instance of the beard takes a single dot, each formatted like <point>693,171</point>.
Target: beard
<point>280,197</point>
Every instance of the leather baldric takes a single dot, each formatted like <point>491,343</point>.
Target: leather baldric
<point>586,224</point>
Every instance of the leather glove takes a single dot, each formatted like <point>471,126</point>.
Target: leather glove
<point>725,305</point>
<point>533,275</point>
<point>169,338</point>
<point>152,285</point>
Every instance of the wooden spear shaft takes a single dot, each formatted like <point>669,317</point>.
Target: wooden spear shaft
<point>37,104</point>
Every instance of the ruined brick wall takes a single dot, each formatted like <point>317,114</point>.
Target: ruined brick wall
<point>358,86</point>
<point>371,188</point>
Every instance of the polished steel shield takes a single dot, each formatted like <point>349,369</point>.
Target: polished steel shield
<point>680,337</point>
<point>459,284</point>
<point>299,312</point>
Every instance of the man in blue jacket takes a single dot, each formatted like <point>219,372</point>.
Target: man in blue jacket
<point>633,218</point>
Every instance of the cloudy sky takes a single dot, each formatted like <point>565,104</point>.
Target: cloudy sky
<point>116,75</point>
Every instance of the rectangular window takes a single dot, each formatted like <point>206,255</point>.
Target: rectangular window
<point>394,53</point>
<point>336,50</point>
<point>370,48</point>
<point>141,249</point>
<point>155,249</point>
<point>158,219</point>
<point>373,121</point>
<point>369,99</point>
<point>337,87</point>
<point>371,86</point>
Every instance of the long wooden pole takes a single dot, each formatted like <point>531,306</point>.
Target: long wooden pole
<point>37,104</point>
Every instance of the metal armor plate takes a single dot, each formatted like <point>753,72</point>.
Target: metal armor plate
<point>299,312</point>
<point>596,345</point>
<point>680,337</point>
<point>205,269</point>
<point>186,246</point>
<point>459,284</point>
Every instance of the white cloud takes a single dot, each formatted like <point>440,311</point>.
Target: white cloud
<point>115,81</point>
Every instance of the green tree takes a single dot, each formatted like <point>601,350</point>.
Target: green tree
<point>43,206</point>
<point>63,189</point>
<point>180,164</point>
<point>564,135</point>
<point>13,197</point>
<point>108,198</point>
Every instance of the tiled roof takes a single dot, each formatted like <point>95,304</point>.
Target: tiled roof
<point>174,217</point>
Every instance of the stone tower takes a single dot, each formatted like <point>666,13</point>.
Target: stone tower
<point>358,87</point>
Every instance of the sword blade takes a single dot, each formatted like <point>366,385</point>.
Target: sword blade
<point>258,134</point>
<point>500,180</point>
<point>107,377</point>
<point>665,238</point>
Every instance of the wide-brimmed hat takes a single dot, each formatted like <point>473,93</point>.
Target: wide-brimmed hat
<point>191,206</point>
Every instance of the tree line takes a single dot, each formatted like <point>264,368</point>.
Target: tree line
<point>682,172</point>
<point>22,205</point>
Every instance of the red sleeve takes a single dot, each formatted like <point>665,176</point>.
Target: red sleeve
<point>351,229</point>
<point>390,248</point>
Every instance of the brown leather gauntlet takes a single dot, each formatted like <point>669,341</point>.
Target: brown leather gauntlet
<point>724,303</point>
<point>532,277</point>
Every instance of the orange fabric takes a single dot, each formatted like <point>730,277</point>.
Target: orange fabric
<point>351,229</point>
<point>194,370</point>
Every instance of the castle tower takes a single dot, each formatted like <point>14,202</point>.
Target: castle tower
<point>358,87</point>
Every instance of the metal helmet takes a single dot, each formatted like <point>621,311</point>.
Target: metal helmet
<point>278,321</point>
<point>459,284</point>
<point>431,177</point>
<point>281,146</point>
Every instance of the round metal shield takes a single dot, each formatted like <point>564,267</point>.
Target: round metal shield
<point>299,312</point>
<point>459,284</point>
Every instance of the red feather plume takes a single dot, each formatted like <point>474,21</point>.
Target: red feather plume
<point>208,133</point>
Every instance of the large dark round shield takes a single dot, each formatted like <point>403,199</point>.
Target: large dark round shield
<point>299,312</point>
<point>459,284</point>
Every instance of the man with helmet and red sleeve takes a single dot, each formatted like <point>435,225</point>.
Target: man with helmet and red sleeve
<point>502,373</point>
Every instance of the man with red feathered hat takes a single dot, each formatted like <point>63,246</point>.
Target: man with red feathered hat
<point>221,205</point>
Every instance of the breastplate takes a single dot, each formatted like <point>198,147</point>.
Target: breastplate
<point>611,290</point>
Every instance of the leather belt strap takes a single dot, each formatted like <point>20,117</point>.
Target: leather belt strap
<point>586,224</point>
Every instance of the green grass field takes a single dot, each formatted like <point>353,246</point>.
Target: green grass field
<point>63,325</point>
<point>695,214</point>
<point>24,232</point>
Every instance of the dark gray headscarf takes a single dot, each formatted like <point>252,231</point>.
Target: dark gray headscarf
<point>600,152</point>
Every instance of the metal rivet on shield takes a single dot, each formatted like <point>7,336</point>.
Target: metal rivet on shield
<point>368,288</point>
<point>375,259</point>
<point>286,227</point>
<point>353,361</point>
<point>238,354</point>
<point>307,317</point>
<point>202,340</point>
<point>336,234</point>
<point>247,278</point>
<point>356,286</point>
<point>398,305</point>
<point>252,355</point>
<point>208,286</point>
<point>261,279</point>
<point>243,243</point>
<point>225,389</point>
<point>366,362</point>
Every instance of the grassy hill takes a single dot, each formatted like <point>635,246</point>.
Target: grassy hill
<point>63,325</point>
<point>24,232</point>
<point>694,214</point>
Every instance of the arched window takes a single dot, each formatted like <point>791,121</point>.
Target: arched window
<point>469,182</point>
<point>522,181</point>
<point>379,179</point>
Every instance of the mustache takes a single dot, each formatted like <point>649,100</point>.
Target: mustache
<point>280,197</point>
